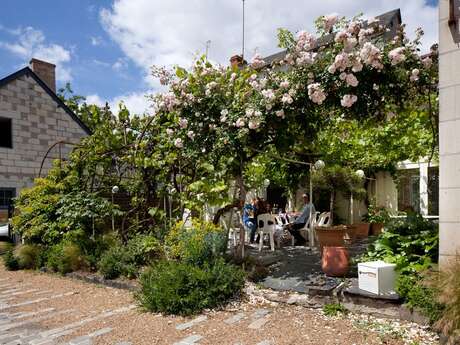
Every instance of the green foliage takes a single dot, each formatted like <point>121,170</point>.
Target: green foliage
<point>376,215</point>
<point>201,243</point>
<point>411,243</point>
<point>92,249</point>
<point>333,309</point>
<point>65,258</point>
<point>126,260</point>
<point>29,256</point>
<point>49,212</point>
<point>285,38</point>
<point>144,249</point>
<point>4,247</point>
<point>10,261</point>
<point>115,263</point>
<point>181,288</point>
<point>419,295</point>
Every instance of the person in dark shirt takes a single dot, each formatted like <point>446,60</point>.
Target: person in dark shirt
<point>249,219</point>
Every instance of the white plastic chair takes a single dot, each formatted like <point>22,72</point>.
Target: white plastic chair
<point>325,219</point>
<point>265,228</point>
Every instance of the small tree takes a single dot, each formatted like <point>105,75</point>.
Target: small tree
<point>338,179</point>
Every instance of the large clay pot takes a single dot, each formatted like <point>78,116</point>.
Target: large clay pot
<point>331,236</point>
<point>376,229</point>
<point>335,261</point>
<point>360,230</point>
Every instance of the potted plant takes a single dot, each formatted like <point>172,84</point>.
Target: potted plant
<point>377,217</point>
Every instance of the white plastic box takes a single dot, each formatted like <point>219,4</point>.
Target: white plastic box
<point>377,277</point>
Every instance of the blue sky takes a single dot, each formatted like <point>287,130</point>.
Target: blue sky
<point>105,47</point>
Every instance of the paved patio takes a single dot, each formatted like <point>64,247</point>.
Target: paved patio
<point>298,268</point>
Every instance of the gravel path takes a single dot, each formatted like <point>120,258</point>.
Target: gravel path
<point>39,309</point>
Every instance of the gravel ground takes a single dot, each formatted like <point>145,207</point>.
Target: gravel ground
<point>81,308</point>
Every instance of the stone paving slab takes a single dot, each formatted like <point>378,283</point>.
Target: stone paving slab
<point>235,318</point>
<point>190,324</point>
<point>38,300</point>
<point>36,319</point>
<point>265,342</point>
<point>189,340</point>
<point>260,313</point>
<point>84,339</point>
<point>259,323</point>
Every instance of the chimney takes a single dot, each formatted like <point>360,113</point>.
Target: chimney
<point>237,61</point>
<point>45,71</point>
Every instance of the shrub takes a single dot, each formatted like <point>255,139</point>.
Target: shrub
<point>65,258</point>
<point>201,243</point>
<point>10,261</point>
<point>113,262</point>
<point>182,288</point>
<point>29,256</point>
<point>93,249</point>
<point>420,295</point>
<point>411,243</point>
<point>144,249</point>
<point>126,260</point>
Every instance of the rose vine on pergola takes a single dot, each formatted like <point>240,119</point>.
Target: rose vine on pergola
<point>227,116</point>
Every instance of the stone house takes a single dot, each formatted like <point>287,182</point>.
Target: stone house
<point>32,119</point>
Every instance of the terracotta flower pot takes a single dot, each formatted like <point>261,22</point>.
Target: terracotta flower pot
<point>330,236</point>
<point>360,230</point>
<point>335,261</point>
<point>376,229</point>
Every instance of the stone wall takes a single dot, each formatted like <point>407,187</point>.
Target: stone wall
<point>37,123</point>
<point>449,145</point>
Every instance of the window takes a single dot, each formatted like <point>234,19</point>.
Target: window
<point>409,190</point>
<point>433,191</point>
<point>6,133</point>
<point>6,197</point>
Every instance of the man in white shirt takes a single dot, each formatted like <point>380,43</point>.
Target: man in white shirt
<point>300,221</point>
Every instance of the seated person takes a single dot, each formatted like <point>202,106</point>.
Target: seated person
<point>249,218</point>
<point>300,221</point>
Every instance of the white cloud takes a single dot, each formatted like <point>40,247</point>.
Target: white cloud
<point>158,32</point>
<point>120,64</point>
<point>174,31</point>
<point>32,43</point>
<point>96,40</point>
<point>136,102</point>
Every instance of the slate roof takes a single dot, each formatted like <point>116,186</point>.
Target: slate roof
<point>26,71</point>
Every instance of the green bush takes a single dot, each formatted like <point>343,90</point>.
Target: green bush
<point>128,259</point>
<point>418,294</point>
<point>29,256</point>
<point>10,261</point>
<point>182,288</point>
<point>93,249</point>
<point>65,258</point>
<point>144,249</point>
<point>113,262</point>
<point>202,243</point>
<point>411,243</point>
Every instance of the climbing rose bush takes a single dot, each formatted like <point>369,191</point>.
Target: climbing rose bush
<point>347,68</point>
